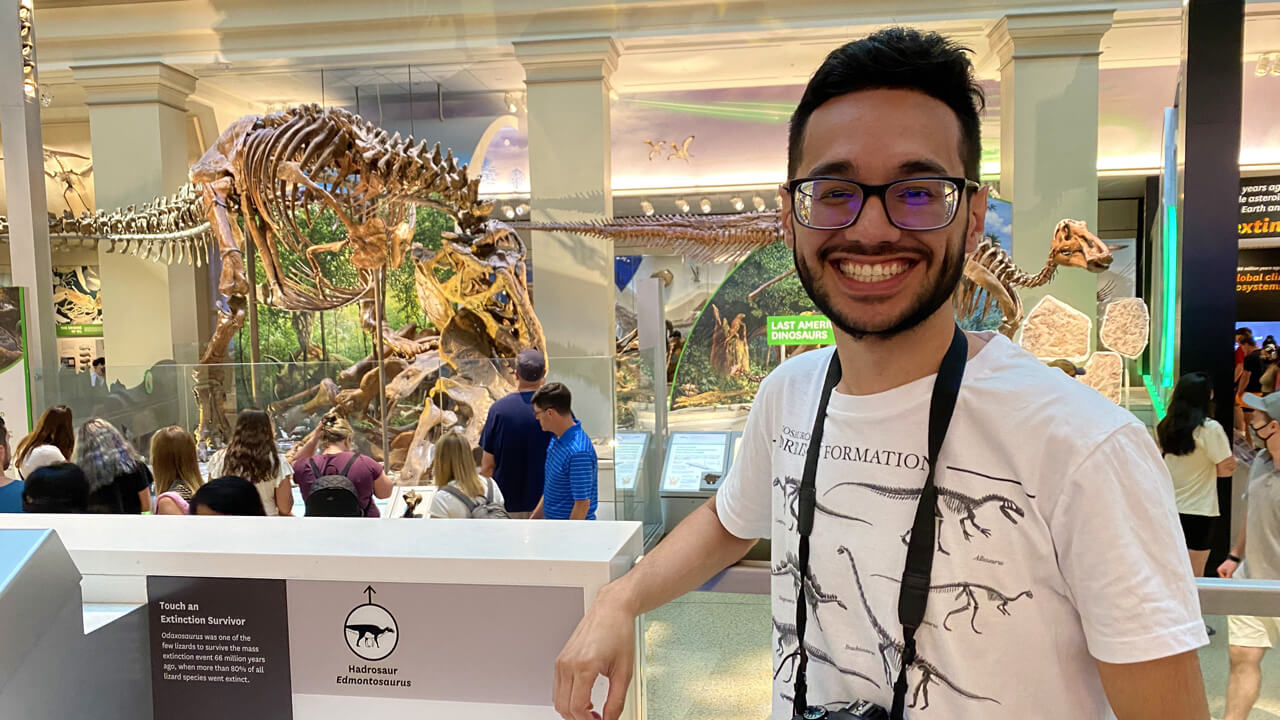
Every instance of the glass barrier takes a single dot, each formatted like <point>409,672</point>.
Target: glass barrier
<point>425,398</point>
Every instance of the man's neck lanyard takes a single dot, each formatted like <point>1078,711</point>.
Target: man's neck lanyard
<point>914,593</point>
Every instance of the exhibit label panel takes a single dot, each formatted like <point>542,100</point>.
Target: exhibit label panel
<point>799,330</point>
<point>691,457</point>
<point>1259,207</point>
<point>222,647</point>
<point>627,456</point>
<point>77,301</point>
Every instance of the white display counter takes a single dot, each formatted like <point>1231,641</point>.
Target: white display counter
<point>480,608</point>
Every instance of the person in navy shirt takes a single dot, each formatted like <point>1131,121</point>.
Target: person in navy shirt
<point>569,491</point>
<point>514,444</point>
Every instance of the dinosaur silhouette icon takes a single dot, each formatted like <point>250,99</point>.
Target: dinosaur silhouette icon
<point>372,632</point>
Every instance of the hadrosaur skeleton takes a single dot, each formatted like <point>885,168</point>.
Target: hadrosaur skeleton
<point>990,276</point>
<point>273,177</point>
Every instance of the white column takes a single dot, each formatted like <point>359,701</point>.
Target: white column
<point>28,212</point>
<point>138,124</point>
<point>1049,137</point>
<point>569,175</point>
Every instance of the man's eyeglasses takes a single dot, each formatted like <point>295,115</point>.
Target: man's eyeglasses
<point>828,203</point>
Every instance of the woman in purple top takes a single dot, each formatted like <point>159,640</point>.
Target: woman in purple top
<point>334,436</point>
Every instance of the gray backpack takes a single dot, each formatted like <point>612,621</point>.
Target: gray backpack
<point>488,509</point>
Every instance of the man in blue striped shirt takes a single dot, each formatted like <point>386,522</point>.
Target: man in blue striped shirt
<point>569,491</point>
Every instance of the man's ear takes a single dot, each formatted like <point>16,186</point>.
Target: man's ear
<point>977,218</point>
<point>788,228</point>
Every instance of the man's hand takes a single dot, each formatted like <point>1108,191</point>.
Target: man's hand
<point>1227,569</point>
<point>604,644</point>
<point>1169,688</point>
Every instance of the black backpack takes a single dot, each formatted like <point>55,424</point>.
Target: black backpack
<point>488,509</point>
<point>335,495</point>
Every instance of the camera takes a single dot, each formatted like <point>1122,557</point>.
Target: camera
<point>860,710</point>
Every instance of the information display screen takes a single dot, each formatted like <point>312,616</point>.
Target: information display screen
<point>690,457</point>
<point>627,457</point>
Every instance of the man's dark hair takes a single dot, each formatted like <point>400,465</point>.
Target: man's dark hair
<point>898,58</point>
<point>57,488</point>
<point>100,361</point>
<point>228,495</point>
<point>554,396</point>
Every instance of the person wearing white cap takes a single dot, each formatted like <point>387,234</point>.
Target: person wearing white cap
<point>1251,637</point>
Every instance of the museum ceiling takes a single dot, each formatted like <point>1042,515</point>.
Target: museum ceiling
<point>727,90</point>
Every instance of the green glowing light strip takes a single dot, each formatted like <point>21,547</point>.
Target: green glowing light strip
<point>1169,294</point>
<point>707,111</point>
<point>1156,403</point>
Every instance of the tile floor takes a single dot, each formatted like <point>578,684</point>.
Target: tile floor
<point>707,657</point>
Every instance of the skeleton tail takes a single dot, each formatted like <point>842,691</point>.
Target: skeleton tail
<point>167,229</point>
<point>720,238</point>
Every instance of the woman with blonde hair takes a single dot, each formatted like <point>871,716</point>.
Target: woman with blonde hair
<point>252,455</point>
<point>453,470</point>
<point>176,469</point>
<point>338,457</point>
<point>119,481</point>
<point>51,442</point>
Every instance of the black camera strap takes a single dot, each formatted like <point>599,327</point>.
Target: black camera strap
<point>914,594</point>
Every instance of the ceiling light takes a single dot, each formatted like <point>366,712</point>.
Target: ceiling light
<point>682,205</point>
<point>647,207</point>
<point>522,209</point>
<point>736,203</point>
<point>758,203</point>
<point>704,205</point>
<point>777,201</point>
<point>506,142</point>
<point>508,211</point>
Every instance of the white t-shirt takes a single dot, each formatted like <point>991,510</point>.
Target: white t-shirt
<point>1058,540</point>
<point>1195,475</point>
<point>266,490</point>
<point>41,456</point>
<point>445,505</point>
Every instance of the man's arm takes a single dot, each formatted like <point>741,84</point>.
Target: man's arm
<point>487,464</point>
<point>537,513</point>
<point>1170,688</point>
<point>604,643</point>
<point>582,483</point>
<point>1228,566</point>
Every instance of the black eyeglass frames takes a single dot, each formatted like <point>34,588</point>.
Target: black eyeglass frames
<point>830,203</point>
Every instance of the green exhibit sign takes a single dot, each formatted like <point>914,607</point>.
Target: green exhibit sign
<point>78,330</point>
<point>799,330</point>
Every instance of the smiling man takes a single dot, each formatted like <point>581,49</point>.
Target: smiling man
<point>1047,577</point>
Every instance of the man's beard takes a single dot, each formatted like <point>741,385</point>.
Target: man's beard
<point>927,301</point>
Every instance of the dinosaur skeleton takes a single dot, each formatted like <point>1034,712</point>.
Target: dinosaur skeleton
<point>791,494</point>
<point>787,632</point>
<point>990,276</point>
<point>963,506</point>
<point>969,593</point>
<point>891,650</point>
<point>269,180</point>
<point>812,590</point>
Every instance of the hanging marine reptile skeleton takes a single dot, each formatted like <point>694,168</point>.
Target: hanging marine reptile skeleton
<point>273,177</point>
<point>990,276</point>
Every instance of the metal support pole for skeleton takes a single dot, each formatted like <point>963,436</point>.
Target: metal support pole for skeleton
<point>255,356</point>
<point>380,310</point>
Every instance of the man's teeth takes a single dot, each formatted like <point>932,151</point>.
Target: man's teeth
<point>874,272</point>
